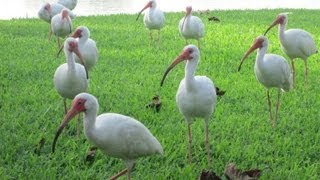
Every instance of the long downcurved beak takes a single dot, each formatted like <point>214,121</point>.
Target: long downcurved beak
<point>252,48</point>
<point>179,59</point>
<point>145,7</point>
<point>60,50</point>
<point>77,52</point>
<point>184,19</point>
<point>274,23</point>
<point>71,113</point>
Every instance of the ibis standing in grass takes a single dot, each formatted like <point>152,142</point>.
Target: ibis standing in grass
<point>296,43</point>
<point>70,4</point>
<point>114,134</point>
<point>61,25</point>
<point>196,96</point>
<point>47,11</point>
<point>272,71</point>
<point>191,27</point>
<point>153,19</point>
<point>87,47</point>
<point>70,78</point>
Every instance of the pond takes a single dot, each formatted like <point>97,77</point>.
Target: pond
<point>29,8</point>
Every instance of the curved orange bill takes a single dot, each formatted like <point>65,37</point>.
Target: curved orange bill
<point>71,113</point>
<point>183,22</point>
<point>60,50</point>
<point>179,59</point>
<point>252,48</point>
<point>77,52</point>
<point>145,7</point>
<point>274,23</point>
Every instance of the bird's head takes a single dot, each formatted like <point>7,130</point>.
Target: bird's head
<point>188,13</point>
<point>81,103</point>
<point>282,19</point>
<point>189,53</point>
<point>150,4</point>
<point>45,12</point>
<point>188,10</point>
<point>47,7</point>
<point>71,46</point>
<point>81,31</point>
<point>65,13</point>
<point>259,42</point>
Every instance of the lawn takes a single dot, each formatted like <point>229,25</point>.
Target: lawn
<point>128,75</point>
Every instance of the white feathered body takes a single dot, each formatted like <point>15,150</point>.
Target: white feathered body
<point>193,27</point>
<point>70,4</point>
<point>154,19</point>
<point>121,136</point>
<point>61,27</point>
<point>297,43</point>
<point>89,52</point>
<point>56,8</point>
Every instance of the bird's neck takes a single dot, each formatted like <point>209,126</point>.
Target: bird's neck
<point>83,39</point>
<point>281,29</point>
<point>260,55</point>
<point>70,60</point>
<point>90,116</point>
<point>189,72</point>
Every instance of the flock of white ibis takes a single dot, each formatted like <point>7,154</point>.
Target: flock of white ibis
<point>126,138</point>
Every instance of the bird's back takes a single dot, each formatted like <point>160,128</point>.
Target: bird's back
<point>274,72</point>
<point>123,137</point>
<point>154,19</point>
<point>199,101</point>
<point>298,43</point>
<point>61,27</point>
<point>70,4</point>
<point>70,83</point>
<point>193,28</point>
<point>89,52</point>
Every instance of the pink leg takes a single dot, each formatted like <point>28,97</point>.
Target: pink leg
<point>306,72</point>
<point>277,108</point>
<point>189,142</point>
<point>119,174</point>
<point>65,105</point>
<point>151,39</point>
<point>269,105</point>
<point>293,73</point>
<point>207,143</point>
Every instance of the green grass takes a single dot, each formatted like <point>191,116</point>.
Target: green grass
<point>126,77</point>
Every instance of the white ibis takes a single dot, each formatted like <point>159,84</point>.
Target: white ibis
<point>87,47</point>
<point>271,70</point>
<point>70,78</point>
<point>191,27</point>
<point>196,96</point>
<point>70,4</point>
<point>61,25</point>
<point>153,19</point>
<point>116,135</point>
<point>296,43</point>
<point>47,11</point>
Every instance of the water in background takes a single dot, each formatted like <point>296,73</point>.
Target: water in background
<point>29,8</point>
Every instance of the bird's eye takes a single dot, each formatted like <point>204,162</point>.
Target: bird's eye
<point>79,103</point>
<point>190,51</point>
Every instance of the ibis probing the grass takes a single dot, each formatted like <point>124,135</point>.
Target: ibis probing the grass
<point>114,134</point>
